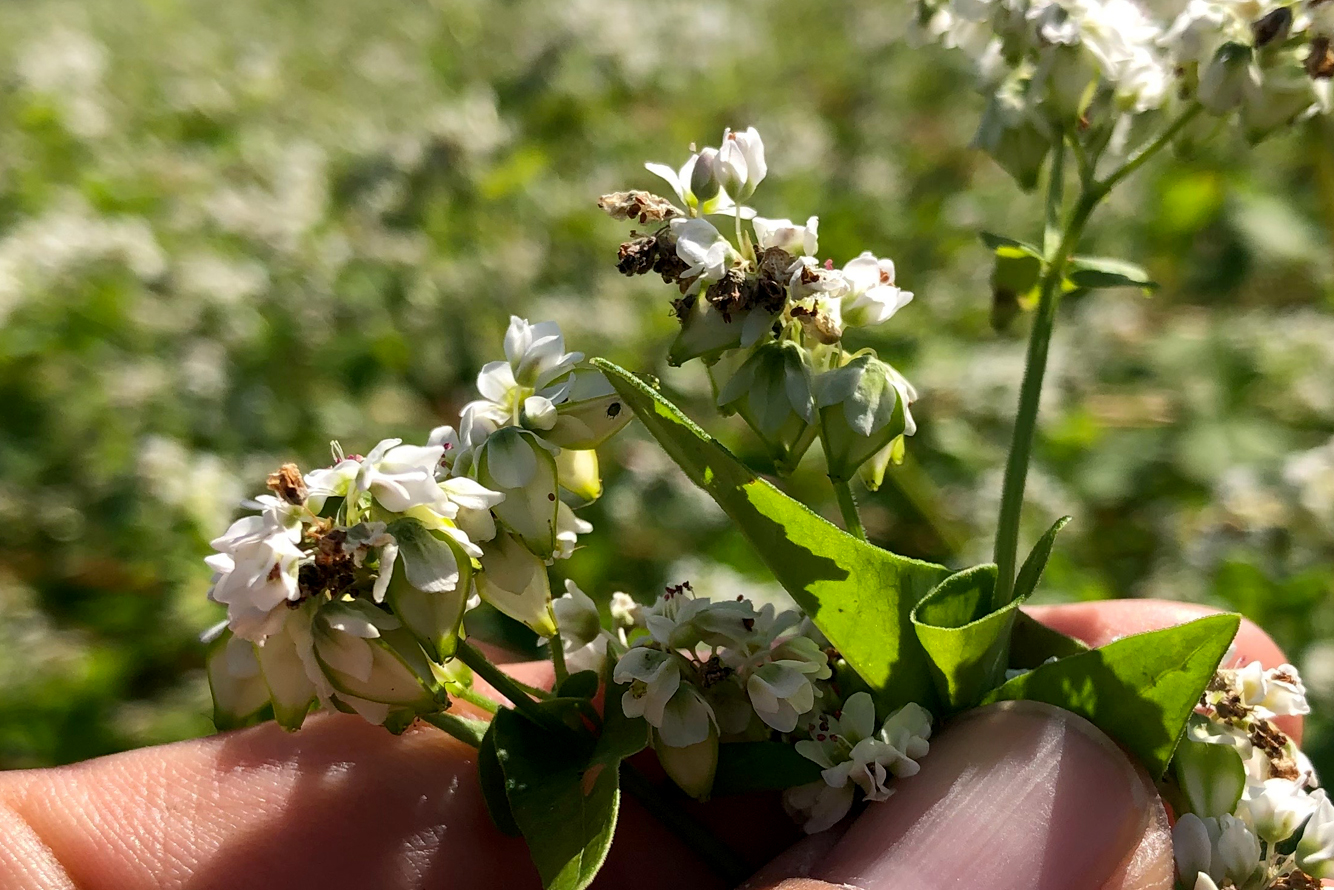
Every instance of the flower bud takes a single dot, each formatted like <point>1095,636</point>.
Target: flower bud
<point>1227,78</point>
<point>235,681</point>
<point>515,463</point>
<point>1063,80</point>
<point>426,578</point>
<point>873,471</point>
<point>691,767</point>
<point>772,392</point>
<point>370,661</point>
<point>1211,777</point>
<point>538,413</point>
<point>863,408</point>
<point>578,474</point>
<point>704,178</point>
<point>1008,133</point>
<point>591,414</point>
<point>1284,94</point>
<point>1315,852</point>
<point>515,582</point>
<point>740,162</point>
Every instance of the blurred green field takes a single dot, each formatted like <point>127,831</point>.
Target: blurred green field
<point>230,233</point>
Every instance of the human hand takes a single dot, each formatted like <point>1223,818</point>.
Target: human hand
<point>1010,796</point>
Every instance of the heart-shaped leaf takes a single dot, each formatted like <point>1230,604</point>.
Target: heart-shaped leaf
<point>860,596</point>
<point>1140,690</point>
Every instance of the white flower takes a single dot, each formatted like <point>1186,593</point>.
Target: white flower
<point>705,252</point>
<point>659,694</point>
<point>740,163</point>
<point>330,482</point>
<point>625,612</point>
<point>536,352</point>
<point>873,298</point>
<point>1285,694</point>
<point>582,637</point>
<point>1221,849</point>
<point>1315,851</point>
<point>469,504</point>
<point>781,692</point>
<point>1277,692</point>
<point>400,476</point>
<point>1275,808</point>
<point>787,235</point>
<point>568,529</point>
<point>671,620</point>
<point>683,183</point>
<point>850,750</point>
<point>256,570</point>
<point>818,806</point>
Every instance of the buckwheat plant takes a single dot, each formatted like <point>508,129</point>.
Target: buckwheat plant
<point>346,587</point>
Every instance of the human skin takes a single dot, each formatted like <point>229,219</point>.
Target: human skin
<point>1012,796</point>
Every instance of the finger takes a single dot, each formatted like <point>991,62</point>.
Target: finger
<point>1099,623</point>
<point>339,804</point>
<point>1016,795</point>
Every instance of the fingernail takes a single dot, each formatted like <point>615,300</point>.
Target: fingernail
<point>1014,795</point>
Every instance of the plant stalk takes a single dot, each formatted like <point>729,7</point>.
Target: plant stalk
<point>462,693</point>
<point>465,729</point>
<point>1058,244</point>
<point>851,518</point>
<point>501,682</point>
<point>557,647</point>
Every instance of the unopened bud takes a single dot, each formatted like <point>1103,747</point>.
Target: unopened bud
<point>863,408</point>
<point>704,184</point>
<point>1227,78</point>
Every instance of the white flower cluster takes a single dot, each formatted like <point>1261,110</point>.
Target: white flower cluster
<point>350,584</point>
<point>1250,813</point>
<point>853,754</point>
<point>704,671</point>
<point>1099,67</point>
<point>767,316</point>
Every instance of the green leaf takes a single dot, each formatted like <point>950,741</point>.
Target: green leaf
<point>995,242</point>
<point>1031,571</point>
<point>583,684</point>
<point>968,643</point>
<point>1032,643</point>
<point>1014,283</point>
<point>859,595</point>
<point>564,805</point>
<point>1095,272</point>
<point>492,779</point>
<point>744,767</point>
<point>1140,690</point>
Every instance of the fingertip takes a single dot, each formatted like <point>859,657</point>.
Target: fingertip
<point>1036,796</point>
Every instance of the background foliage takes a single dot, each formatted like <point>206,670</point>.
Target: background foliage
<point>232,232</point>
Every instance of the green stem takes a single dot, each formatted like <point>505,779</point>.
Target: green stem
<point>849,508</point>
<point>1058,251</point>
<point>463,693</point>
<point>557,647</point>
<point>501,682</point>
<point>1141,157</point>
<point>704,842</point>
<point>465,729</point>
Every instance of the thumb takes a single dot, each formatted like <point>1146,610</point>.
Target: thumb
<point>1014,795</point>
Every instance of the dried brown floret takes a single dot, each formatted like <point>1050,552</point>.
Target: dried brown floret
<point>1296,880</point>
<point>1274,25</point>
<point>645,207</point>
<point>638,256</point>
<point>1320,60</point>
<point>333,568</point>
<point>713,672</point>
<point>731,293</point>
<point>286,483</point>
<point>1231,708</point>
